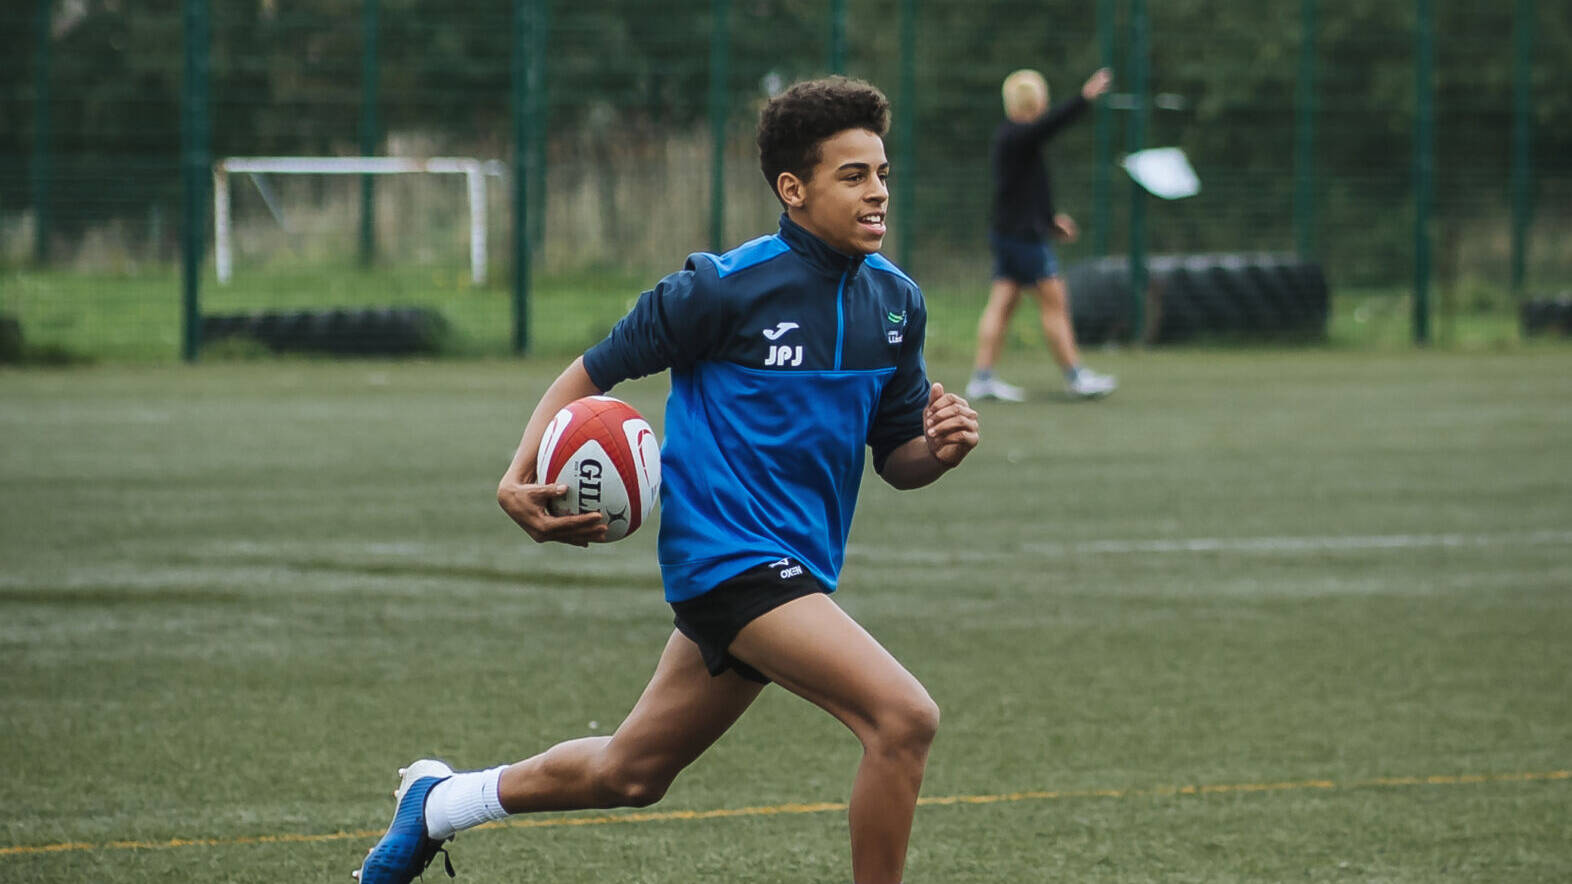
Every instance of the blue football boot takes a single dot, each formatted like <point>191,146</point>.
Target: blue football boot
<point>406,850</point>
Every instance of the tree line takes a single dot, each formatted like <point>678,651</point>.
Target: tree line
<point>286,78</point>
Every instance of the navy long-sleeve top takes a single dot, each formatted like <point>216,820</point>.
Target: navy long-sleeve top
<point>788,360</point>
<point>1022,186</point>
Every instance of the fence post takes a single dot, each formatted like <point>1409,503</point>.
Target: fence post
<point>523,11</point>
<point>1522,139</point>
<point>368,127</point>
<point>1304,135</point>
<point>1424,162</point>
<point>905,127</point>
<point>837,36</point>
<point>539,41</point>
<point>1102,220</point>
<point>41,136</point>
<point>194,166</point>
<point>719,52</point>
<point>1137,141</point>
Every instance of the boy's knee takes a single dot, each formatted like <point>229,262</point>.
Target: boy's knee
<point>910,726</point>
<point>1051,298</point>
<point>639,793</point>
<point>924,721</point>
<point>621,785</point>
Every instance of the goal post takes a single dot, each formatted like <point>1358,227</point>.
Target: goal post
<point>473,170</point>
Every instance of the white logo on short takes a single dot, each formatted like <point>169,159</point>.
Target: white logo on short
<point>787,569</point>
<point>780,328</point>
<point>893,335</point>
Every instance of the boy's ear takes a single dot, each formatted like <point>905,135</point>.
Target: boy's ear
<point>792,190</point>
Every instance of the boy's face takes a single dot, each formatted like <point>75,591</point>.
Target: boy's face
<point>844,199</point>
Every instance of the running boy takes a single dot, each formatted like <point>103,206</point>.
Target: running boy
<point>787,355</point>
<point>1024,220</point>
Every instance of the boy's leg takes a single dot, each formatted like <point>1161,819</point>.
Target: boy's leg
<point>1002,298</point>
<point>1053,299</point>
<point>682,712</point>
<point>1053,303</point>
<point>815,650</point>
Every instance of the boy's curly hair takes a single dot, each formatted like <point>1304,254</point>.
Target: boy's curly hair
<point>796,122</point>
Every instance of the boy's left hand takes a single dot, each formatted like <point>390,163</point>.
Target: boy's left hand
<point>1065,228</point>
<point>949,425</point>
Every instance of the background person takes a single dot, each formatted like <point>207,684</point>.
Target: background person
<point>1024,221</point>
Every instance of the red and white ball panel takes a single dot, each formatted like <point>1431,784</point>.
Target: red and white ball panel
<point>607,455</point>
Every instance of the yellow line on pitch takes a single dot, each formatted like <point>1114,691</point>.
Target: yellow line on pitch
<point>818,807</point>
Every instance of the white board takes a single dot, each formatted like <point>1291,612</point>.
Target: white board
<point>1164,172</point>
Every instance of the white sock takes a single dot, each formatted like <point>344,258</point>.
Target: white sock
<point>463,801</point>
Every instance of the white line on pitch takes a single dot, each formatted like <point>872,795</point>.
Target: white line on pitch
<point>1287,545</point>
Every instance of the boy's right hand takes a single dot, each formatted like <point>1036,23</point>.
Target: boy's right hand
<point>1097,84</point>
<point>526,505</point>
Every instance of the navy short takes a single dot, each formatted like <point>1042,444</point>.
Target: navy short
<point>1022,260</point>
<point>712,620</point>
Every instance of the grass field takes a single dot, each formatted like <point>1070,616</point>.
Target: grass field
<point>1262,616</point>
<point>71,316</point>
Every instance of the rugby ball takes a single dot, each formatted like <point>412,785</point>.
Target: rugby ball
<point>608,457</point>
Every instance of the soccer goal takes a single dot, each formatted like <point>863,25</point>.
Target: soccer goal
<point>474,171</point>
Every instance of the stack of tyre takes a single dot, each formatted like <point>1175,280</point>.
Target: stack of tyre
<point>1201,297</point>
<point>374,331</point>
<point>10,339</point>
<point>1548,316</point>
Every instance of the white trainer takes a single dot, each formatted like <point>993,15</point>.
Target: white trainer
<point>993,388</point>
<point>1089,384</point>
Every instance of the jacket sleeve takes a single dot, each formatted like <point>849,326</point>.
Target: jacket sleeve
<point>1045,126</point>
<point>673,325</point>
<point>901,403</point>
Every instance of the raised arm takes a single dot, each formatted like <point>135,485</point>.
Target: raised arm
<point>1097,85</point>
<point>1067,111</point>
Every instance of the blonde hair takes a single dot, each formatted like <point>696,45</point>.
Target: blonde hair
<point>1022,88</point>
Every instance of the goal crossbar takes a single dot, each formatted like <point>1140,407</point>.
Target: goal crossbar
<point>473,170</point>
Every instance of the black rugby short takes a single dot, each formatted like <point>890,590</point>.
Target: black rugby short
<point>712,620</point>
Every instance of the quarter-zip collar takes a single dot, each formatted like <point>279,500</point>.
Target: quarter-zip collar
<point>817,252</point>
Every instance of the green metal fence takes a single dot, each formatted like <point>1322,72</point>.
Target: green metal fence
<point>1411,147</point>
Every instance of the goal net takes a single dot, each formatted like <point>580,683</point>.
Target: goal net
<point>317,208</point>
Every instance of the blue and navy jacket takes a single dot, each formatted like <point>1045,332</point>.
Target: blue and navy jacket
<point>787,358</point>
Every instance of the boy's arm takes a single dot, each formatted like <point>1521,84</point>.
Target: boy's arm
<point>1066,112</point>
<point>521,497</point>
<point>1047,125</point>
<point>949,434</point>
<point>675,321</point>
